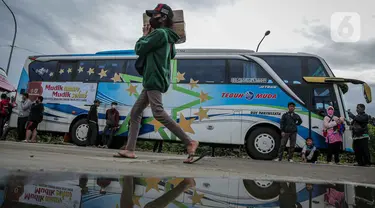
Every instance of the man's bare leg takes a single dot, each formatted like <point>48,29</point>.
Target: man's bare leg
<point>155,99</point>
<point>33,138</point>
<point>28,135</point>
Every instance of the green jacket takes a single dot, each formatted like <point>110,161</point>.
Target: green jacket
<point>156,46</point>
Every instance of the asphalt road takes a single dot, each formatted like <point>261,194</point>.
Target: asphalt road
<point>65,158</point>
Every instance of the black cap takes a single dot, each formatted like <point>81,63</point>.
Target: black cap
<point>161,9</point>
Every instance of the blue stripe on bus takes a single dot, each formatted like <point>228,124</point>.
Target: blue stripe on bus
<point>147,128</point>
<point>100,53</point>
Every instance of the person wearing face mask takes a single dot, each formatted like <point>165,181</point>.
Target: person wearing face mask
<point>112,118</point>
<point>157,48</point>
<point>23,114</point>
<point>361,136</point>
<point>333,134</point>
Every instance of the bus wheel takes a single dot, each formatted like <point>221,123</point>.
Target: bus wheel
<point>263,143</point>
<point>262,190</point>
<point>79,132</point>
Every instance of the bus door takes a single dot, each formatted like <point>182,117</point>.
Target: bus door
<point>304,109</point>
<point>323,96</point>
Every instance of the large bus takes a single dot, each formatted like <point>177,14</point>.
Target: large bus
<point>218,96</point>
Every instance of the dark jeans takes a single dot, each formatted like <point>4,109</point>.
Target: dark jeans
<point>92,134</point>
<point>105,139</point>
<point>334,150</point>
<point>2,123</point>
<point>314,157</point>
<point>284,140</point>
<point>158,145</point>
<point>362,152</point>
<point>21,128</point>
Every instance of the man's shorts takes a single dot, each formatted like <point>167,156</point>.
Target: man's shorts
<point>31,125</point>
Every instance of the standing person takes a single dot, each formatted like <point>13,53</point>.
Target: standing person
<point>361,136</point>
<point>288,125</point>
<point>4,111</point>
<point>333,134</point>
<point>35,117</point>
<point>92,119</point>
<point>157,48</point>
<point>112,118</point>
<point>24,111</point>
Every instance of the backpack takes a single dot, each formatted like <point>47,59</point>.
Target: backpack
<point>4,109</point>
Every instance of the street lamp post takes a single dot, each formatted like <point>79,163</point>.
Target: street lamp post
<point>265,34</point>
<point>14,37</point>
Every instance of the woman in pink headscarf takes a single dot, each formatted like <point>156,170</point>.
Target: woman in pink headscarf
<point>333,130</point>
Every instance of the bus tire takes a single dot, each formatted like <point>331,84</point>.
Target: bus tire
<point>262,190</point>
<point>79,132</point>
<point>263,143</point>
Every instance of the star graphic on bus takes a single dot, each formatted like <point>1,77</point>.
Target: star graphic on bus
<point>70,70</point>
<point>202,113</point>
<point>61,71</point>
<point>132,89</point>
<point>116,78</point>
<point>80,69</point>
<point>103,73</point>
<point>193,83</point>
<point>91,71</point>
<point>180,77</point>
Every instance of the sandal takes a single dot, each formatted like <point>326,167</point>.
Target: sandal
<point>119,155</point>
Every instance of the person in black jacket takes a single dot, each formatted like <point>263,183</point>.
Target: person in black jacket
<point>92,119</point>
<point>361,136</point>
<point>288,125</point>
<point>35,117</point>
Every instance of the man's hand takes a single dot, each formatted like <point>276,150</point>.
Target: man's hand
<point>146,29</point>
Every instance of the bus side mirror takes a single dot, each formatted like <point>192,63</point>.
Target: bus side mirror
<point>367,92</point>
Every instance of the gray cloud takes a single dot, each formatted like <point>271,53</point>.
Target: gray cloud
<point>355,96</point>
<point>340,55</point>
<point>79,26</point>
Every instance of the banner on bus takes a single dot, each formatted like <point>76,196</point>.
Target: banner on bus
<point>64,92</point>
<point>51,195</point>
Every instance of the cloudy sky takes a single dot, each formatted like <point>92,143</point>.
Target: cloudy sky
<point>82,26</point>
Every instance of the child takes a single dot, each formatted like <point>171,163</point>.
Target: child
<point>333,131</point>
<point>309,152</point>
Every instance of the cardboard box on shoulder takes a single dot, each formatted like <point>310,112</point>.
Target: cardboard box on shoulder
<point>178,24</point>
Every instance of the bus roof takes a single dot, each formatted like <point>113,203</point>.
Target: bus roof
<point>183,51</point>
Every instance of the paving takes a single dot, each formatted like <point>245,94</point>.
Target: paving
<point>45,158</point>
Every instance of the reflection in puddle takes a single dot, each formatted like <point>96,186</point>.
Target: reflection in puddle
<point>128,191</point>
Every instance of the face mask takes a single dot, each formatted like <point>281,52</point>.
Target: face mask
<point>330,112</point>
<point>154,22</point>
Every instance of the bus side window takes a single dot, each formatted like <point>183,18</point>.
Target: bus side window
<point>207,71</point>
<point>42,71</point>
<point>87,71</point>
<point>315,68</point>
<point>241,71</point>
<point>107,70</point>
<point>288,68</point>
<point>323,98</point>
<point>66,71</point>
<point>130,68</point>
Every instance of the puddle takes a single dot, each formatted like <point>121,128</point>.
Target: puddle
<point>81,191</point>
